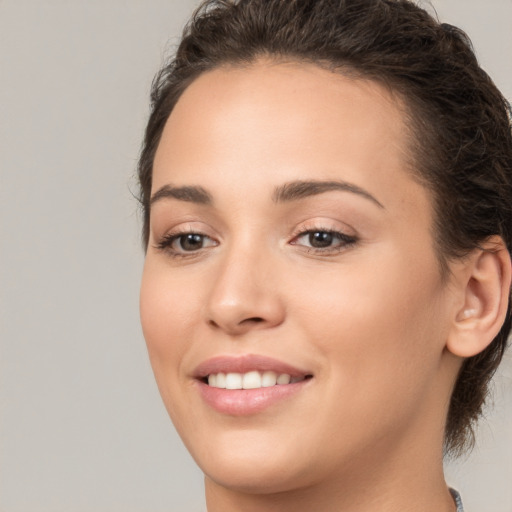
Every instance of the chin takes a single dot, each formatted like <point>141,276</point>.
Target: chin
<point>244,463</point>
<point>247,477</point>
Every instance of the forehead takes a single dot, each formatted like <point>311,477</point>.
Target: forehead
<point>280,119</point>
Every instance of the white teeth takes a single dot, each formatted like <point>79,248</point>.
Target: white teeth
<point>234,381</point>
<point>283,379</point>
<point>250,380</point>
<point>220,380</point>
<point>268,379</point>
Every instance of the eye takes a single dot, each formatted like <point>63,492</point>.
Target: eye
<point>320,239</point>
<point>324,240</point>
<point>189,242</point>
<point>179,244</point>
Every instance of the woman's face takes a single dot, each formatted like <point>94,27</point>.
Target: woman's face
<point>288,241</point>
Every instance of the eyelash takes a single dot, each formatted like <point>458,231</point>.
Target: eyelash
<point>167,241</point>
<point>344,242</point>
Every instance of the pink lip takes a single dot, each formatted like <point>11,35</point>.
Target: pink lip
<point>243,402</point>
<point>245,363</point>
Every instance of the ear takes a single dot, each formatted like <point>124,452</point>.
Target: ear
<point>484,282</point>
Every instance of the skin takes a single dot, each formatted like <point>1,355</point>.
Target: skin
<point>369,320</point>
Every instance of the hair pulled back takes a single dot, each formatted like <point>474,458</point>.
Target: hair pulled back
<point>459,122</point>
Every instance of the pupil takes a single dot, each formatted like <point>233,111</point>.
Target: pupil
<point>191,242</point>
<point>320,239</point>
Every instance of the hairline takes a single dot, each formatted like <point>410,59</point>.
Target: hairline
<point>408,106</point>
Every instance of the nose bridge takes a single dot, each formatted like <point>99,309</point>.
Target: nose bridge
<point>244,293</point>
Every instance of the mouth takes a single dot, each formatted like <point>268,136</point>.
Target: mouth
<point>253,379</point>
<point>248,384</point>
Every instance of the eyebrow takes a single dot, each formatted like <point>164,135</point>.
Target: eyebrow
<point>190,194</point>
<point>299,189</point>
<point>292,191</point>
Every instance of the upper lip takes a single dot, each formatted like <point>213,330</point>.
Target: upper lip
<point>244,364</point>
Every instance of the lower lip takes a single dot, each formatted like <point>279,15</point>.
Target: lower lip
<point>244,402</point>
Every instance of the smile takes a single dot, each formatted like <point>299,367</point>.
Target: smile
<point>251,380</point>
<point>248,384</point>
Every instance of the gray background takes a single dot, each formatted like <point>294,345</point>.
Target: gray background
<point>81,423</point>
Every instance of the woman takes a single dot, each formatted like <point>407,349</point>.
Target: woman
<point>327,191</point>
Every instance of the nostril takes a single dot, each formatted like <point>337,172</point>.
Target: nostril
<point>255,320</point>
<point>244,322</point>
<point>213,323</point>
<point>235,326</point>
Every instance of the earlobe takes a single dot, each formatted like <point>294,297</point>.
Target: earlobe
<point>485,286</point>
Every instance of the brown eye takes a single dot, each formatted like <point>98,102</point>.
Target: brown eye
<point>324,241</point>
<point>320,239</point>
<point>181,244</point>
<point>190,242</point>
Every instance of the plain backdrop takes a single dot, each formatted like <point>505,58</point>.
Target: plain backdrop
<point>82,428</point>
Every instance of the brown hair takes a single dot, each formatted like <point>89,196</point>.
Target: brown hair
<point>459,121</point>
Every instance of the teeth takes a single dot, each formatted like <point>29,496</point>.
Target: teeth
<point>283,379</point>
<point>268,379</point>
<point>250,380</point>
<point>234,381</point>
<point>220,380</point>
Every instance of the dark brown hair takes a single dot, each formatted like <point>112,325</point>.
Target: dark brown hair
<point>458,120</point>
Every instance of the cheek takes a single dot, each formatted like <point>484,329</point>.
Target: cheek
<point>376,329</point>
<point>168,312</point>
<point>380,345</point>
<point>166,317</point>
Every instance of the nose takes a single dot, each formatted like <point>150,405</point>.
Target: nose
<point>244,295</point>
